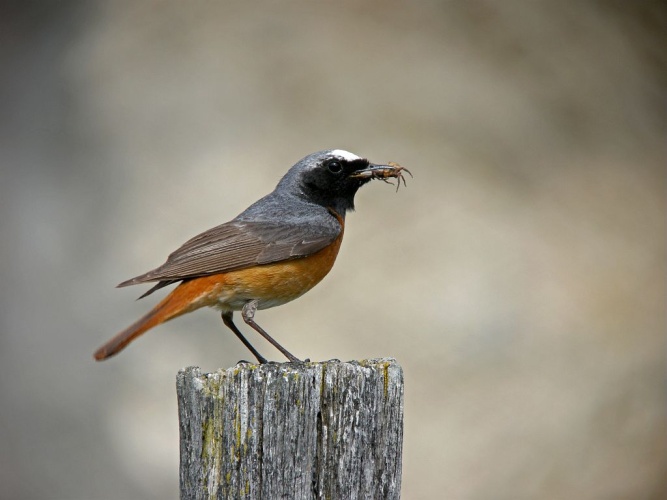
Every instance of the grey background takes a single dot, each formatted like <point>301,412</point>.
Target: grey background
<point>519,279</point>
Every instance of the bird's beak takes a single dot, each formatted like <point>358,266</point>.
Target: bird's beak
<point>382,172</point>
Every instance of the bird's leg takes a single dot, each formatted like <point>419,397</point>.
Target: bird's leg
<point>227,320</point>
<point>248,313</point>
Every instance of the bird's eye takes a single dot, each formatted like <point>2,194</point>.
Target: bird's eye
<point>335,167</point>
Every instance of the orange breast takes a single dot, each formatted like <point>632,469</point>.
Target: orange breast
<point>278,283</point>
<point>272,284</point>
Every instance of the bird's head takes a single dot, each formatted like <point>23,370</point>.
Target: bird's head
<point>332,177</point>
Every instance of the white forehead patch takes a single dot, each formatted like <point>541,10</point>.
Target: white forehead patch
<point>345,155</point>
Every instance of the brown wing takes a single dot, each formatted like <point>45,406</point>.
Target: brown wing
<point>236,245</point>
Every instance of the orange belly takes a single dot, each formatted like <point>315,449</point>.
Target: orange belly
<point>274,284</point>
<point>270,284</point>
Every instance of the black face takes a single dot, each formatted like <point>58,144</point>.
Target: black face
<point>329,180</point>
<point>333,173</point>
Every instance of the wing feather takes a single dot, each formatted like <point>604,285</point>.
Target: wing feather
<point>237,245</point>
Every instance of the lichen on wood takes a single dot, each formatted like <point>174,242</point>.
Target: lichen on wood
<point>292,430</point>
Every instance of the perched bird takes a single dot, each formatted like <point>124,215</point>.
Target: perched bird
<point>273,252</point>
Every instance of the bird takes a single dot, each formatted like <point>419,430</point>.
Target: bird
<point>273,252</point>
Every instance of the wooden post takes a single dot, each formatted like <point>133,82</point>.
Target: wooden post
<point>328,430</point>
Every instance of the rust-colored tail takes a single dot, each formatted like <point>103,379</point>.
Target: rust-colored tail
<point>188,296</point>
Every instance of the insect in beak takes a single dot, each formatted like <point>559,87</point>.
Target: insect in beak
<point>383,172</point>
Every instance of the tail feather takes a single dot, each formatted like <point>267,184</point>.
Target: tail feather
<point>178,302</point>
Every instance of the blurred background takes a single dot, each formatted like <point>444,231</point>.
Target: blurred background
<point>519,279</point>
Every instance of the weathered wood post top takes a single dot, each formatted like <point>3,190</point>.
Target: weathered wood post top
<point>295,430</point>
